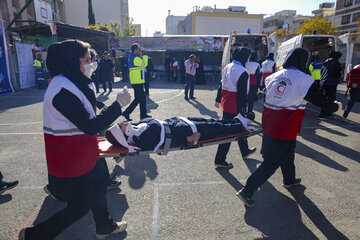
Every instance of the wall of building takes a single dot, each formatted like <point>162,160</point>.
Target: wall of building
<point>172,24</point>
<point>14,6</point>
<point>347,10</point>
<point>224,23</point>
<point>76,12</point>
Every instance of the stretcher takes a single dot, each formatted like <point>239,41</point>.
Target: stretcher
<point>108,150</point>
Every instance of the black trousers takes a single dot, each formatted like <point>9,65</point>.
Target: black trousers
<point>139,99</point>
<point>1,176</point>
<point>252,97</point>
<point>189,84</point>
<point>125,74</point>
<point>354,97</point>
<point>83,193</point>
<point>276,153</point>
<point>330,93</point>
<point>223,149</point>
<point>147,83</point>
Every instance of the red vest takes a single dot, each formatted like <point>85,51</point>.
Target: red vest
<point>354,78</point>
<point>69,151</point>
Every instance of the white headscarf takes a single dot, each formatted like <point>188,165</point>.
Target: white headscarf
<point>132,130</point>
<point>120,138</point>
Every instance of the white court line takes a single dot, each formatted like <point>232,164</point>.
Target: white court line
<point>155,221</point>
<point>33,133</point>
<point>17,124</point>
<point>167,99</point>
<point>154,228</point>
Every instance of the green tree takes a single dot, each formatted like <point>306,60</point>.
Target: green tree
<point>129,28</point>
<point>322,25</point>
<point>91,14</point>
<point>115,27</point>
<point>281,32</point>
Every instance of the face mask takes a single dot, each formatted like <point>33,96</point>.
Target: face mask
<point>89,69</point>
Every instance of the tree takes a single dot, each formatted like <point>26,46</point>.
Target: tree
<point>91,14</point>
<point>115,27</point>
<point>281,32</point>
<point>129,29</point>
<point>322,25</point>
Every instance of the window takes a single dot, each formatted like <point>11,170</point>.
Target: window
<point>345,19</point>
<point>357,1</point>
<point>355,17</point>
<point>348,3</point>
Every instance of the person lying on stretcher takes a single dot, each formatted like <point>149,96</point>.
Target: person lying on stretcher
<point>149,133</point>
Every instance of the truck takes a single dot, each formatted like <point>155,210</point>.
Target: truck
<point>320,45</point>
<point>349,46</point>
<point>254,41</point>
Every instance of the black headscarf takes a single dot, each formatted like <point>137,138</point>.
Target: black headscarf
<point>64,58</point>
<point>298,58</point>
<point>253,57</point>
<point>270,56</point>
<point>335,55</point>
<point>241,54</point>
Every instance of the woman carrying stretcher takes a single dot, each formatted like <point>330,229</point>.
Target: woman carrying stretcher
<point>149,133</point>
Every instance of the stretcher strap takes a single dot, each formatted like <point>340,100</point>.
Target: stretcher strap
<point>167,140</point>
<point>191,124</point>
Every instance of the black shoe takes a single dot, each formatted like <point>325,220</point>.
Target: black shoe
<point>289,185</point>
<point>250,151</point>
<point>113,184</point>
<point>192,97</point>
<point>145,116</point>
<point>5,186</point>
<point>224,164</point>
<point>127,117</point>
<point>186,98</point>
<point>248,201</point>
<point>47,191</point>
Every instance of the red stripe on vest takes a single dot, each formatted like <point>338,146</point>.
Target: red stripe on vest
<point>354,78</point>
<point>70,156</point>
<point>265,75</point>
<point>282,124</point>
<point>253,79</point>
<point>228,101</point>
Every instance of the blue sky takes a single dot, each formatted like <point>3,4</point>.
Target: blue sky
<point>151,14</point>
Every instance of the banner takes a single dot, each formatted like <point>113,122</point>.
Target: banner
<point>25,62</point>
<point>168,43</point>
<point>5,83</point>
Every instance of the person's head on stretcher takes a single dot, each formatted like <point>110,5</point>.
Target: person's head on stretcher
<point>151,134</point>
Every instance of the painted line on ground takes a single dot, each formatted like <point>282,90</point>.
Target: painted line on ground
<point>17,124</point>
<point>28,220</point>
<point>154,228</point>
<point>33,133</point>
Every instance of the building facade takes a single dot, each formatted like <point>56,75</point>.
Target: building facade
<point>76,12</point>
<point>347,14</point>
<point>13,8</point>
<point>282,19</point>
<point>172,23</point>
<point>220,21</point>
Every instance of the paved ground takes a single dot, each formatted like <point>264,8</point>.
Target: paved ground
<point>182,195</point>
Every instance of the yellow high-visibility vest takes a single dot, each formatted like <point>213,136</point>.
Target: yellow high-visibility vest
<point>137,67</point>
<point>37,63</point>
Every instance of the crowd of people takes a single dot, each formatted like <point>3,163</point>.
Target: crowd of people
<point>78,177</point>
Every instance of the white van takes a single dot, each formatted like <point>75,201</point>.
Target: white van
<point>254,41</point>
<point>349,46</point>
<point>320,45</point>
